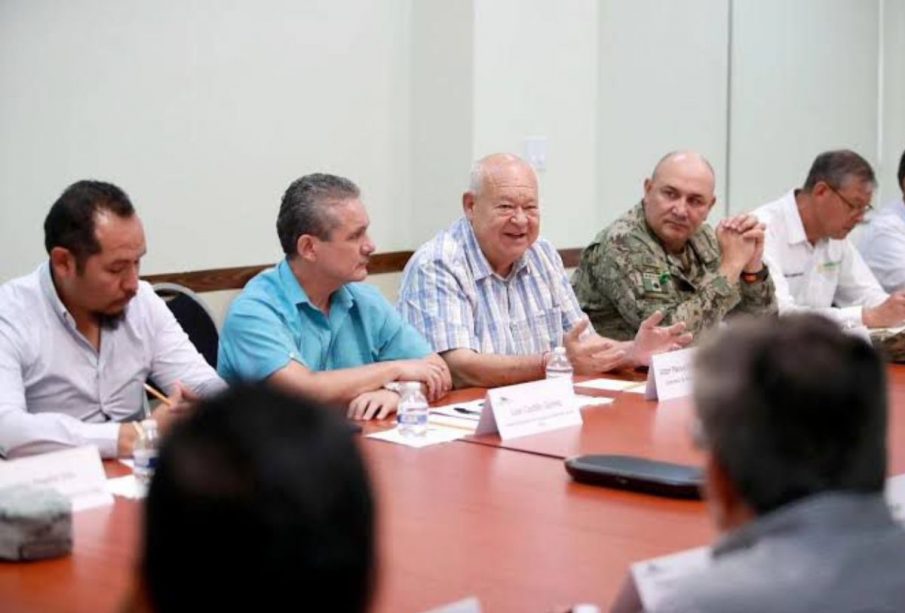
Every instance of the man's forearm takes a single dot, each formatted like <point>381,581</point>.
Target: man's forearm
<point>472,369</point>
<point>334,387</point>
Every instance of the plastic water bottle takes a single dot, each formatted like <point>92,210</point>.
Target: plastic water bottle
<point>412,412</point>
<point>144,453</point>
<point>558,364</point>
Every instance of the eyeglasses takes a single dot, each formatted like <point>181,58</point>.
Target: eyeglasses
<point>854,207</point>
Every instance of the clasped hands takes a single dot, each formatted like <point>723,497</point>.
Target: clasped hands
<point>741,240</point>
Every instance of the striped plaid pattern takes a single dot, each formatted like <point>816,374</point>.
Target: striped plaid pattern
<point>452,296</point>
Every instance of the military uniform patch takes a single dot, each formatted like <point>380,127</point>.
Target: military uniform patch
<point>654,282</point>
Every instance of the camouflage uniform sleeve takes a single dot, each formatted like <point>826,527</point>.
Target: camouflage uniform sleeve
<point>639,284</point>
<point>757,298</point>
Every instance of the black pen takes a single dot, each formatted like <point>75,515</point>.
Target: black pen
<point>466,411</point>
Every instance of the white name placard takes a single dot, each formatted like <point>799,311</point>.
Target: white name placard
<point>670,375</point>
<point>655,579</point>
<point>895,497</point>
<point>76,473</point>
<point>530,408</point>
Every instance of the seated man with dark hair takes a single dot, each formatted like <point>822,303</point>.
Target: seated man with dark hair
<point>80,335</point>
<point>260,502</point>
<point>814,265</point>
<point>310,326</point>
<point>793,422</point>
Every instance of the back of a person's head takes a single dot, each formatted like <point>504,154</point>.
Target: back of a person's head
<point>259,501</point>
<point>792,407</point>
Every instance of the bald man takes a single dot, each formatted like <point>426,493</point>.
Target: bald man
<point>662,256</point>
<point>492,297</point>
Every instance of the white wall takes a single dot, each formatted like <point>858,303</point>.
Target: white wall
<point>662,87</point>
<point>535,74</point>
<point>205,110</point>
<point>804,80</point>
<point>442,58</point>
<point>893,122</point>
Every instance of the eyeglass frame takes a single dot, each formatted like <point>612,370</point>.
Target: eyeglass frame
<point>851,205</point>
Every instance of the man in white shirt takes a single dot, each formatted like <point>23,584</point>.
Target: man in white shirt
<point>813,264</point>
<point>81,334</point>
<point>883,242</point>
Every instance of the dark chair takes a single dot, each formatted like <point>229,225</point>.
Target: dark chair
<point>194,317</point>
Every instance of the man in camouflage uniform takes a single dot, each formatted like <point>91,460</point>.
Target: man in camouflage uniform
<point>662,256</point>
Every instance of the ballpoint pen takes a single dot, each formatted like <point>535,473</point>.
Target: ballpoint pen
<point>466,411</point>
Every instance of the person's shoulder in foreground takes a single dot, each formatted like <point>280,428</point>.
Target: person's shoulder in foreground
<point>793,424</point>
<point>268,495</point>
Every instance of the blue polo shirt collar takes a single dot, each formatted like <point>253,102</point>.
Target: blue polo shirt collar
<point>341,299</point>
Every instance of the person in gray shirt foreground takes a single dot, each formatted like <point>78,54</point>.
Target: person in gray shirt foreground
<point>793,421</point>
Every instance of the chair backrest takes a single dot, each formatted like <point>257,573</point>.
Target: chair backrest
<point>194,317</point>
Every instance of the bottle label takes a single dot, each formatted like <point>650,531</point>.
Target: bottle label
<point>145,459</point>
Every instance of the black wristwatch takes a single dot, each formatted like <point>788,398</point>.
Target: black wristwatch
<point>754,277</point>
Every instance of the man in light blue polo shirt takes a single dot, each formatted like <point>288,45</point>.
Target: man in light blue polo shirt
<point>307,325</point>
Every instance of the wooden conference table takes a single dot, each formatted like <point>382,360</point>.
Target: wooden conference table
<point>498,520</point>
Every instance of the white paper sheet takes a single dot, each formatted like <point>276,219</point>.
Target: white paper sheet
<point>435,435</point>
<point>611,385</point>
<point>126,487</point>
<point>464,410</point>
<point>895,497</point>
<point>75,473</point>
<point>592,401</point>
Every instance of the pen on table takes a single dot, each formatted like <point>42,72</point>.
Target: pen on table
<point>159,395</point>
<point>466,411</point>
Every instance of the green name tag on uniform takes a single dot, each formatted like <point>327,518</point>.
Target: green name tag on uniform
<point>654,282</point>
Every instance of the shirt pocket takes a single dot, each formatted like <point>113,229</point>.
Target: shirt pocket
<point>537,333</point>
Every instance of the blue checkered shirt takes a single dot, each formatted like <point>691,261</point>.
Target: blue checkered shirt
<point>452,296</point>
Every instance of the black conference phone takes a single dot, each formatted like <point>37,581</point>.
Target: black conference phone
<point>638,475</point>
